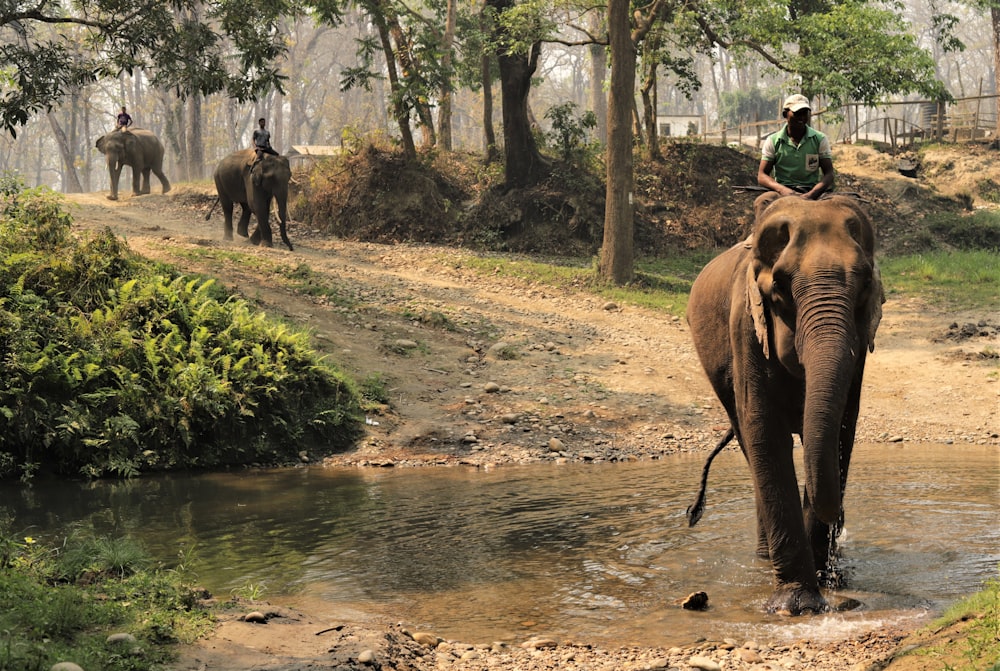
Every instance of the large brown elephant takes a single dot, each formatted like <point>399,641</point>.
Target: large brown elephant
<point>782,324</point>
<point>254,190</point>
<point>138,148</point>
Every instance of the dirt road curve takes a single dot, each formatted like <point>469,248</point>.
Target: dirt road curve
<point>608,382</point>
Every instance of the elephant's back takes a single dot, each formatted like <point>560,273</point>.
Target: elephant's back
<point>234,161</point>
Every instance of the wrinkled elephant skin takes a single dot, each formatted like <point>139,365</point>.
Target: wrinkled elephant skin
<point>254,191</point>
<point>138,148</point>
<point>782,324</point>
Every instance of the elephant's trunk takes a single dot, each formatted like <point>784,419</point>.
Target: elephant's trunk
<point>829,350</point>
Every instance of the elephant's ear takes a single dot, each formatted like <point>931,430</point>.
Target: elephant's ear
<point>755,306</point>
<point>873,310</point>
<point>100,144</point>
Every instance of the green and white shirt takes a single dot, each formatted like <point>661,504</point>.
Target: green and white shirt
<point>797,165</point>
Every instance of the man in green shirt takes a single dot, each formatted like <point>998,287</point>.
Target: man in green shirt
<point>798,158</point>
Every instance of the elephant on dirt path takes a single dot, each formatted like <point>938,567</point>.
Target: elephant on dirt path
<point>254,189</point>
<point>138,148</point>
<point>782,324</point>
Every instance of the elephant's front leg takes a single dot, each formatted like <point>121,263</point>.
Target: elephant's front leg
<point>145,179</point>
<point>136,179</point>
<point>780,513</point>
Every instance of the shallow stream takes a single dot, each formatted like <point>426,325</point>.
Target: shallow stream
<point>598,553</point>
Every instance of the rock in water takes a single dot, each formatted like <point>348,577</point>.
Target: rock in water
<point>695,601</point>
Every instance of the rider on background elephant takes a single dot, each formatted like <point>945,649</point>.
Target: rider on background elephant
<point>254,188</point>
<point>782,324</point>
<point>138,148</point>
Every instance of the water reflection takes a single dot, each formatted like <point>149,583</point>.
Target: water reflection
<point>589,552</point>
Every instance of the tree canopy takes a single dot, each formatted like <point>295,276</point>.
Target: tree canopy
<point>49,48</point>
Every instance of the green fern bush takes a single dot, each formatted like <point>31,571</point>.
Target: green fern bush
<point>111,365</point>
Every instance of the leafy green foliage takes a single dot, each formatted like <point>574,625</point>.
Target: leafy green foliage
<point>845,49</point>
<point>981,230</point>
<point>111,366</point>
<point>569,130</point>
<point>49,48</point>
<point>62,603</point>
<point>738,107</point>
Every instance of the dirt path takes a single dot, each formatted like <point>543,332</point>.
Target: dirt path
<point>490,370</point>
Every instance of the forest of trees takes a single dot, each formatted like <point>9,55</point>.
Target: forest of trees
<point>199,73</point>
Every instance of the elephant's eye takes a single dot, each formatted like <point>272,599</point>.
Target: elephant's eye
<point>779,286</point>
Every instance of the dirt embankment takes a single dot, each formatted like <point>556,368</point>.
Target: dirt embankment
<point>491,370</point>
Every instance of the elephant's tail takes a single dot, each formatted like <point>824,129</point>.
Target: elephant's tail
<point>695,510</point>
<point>212,208</point>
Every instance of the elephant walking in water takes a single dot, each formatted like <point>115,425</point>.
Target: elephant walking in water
<point>782,324</point>
<point>138,148</point>
<point>254,189</point>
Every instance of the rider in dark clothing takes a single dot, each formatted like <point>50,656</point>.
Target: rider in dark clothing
<point>262,141</point>
<point>123,120</point>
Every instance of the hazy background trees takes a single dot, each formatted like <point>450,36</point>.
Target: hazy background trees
<point>199,74</point>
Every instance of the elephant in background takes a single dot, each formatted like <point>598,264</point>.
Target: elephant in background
<point>782,324</point>
<point>254,189</point>
<point>138,148</point>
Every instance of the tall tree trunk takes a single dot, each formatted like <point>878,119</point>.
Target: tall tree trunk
<point>648,91</point>
<point>400,112</point>
<point>995,15</point>
<point>196,148</point>
<point>280,144</point>
<point>617,250</point>
<point>444,106</point>
<point>640,137</point>
<point>598,73</point>
<point>489,133</point>
<point>87,155</point>
<point>411,72</point>
<point>524,165</point>
<point>180,139</point>
<point>70,180</point>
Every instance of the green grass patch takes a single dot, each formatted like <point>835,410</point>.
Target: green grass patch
<point>980,645</point>
<point>61,603</point>
<point>957,279</point>
<point>300,278</point>
<point>963,279</point>
<point>659,284</point>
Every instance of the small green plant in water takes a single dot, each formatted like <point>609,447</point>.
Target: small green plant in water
<point>250,591</point>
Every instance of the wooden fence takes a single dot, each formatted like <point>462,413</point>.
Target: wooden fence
<point>895,124</point>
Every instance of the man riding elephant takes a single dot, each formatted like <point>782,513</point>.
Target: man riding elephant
<point>254,188</point>
<point>138,148</point>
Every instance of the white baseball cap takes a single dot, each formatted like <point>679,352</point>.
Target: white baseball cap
<point>796,102</point>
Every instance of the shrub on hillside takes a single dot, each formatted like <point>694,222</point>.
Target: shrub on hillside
<point>110,365</point>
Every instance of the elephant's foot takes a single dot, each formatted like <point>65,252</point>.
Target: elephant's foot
<point>112,197</point>
<point>166,189</point>
<point>796,600</point>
